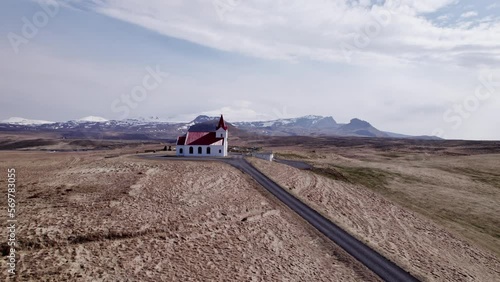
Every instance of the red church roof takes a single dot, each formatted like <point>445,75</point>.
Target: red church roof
<point>203,138</point>
<point>222,123</point>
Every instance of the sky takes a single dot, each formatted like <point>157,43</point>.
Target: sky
<point>429,67</point>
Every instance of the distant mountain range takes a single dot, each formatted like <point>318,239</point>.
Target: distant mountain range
<point>319,126</point>
<point>312,125</point>
<point>156,128</point>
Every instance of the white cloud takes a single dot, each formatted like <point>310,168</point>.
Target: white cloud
<point>443,18</point>
<point>492,6</point>
<point>469,14</point>
<point>320,30</point>
<point>427,6</point>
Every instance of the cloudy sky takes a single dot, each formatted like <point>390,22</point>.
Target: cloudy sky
<point>428,67</point>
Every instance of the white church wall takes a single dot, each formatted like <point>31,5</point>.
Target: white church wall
<point>215,151</point>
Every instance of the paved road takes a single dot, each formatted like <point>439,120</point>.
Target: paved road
<point>384,268</point>
<point>381,266</point>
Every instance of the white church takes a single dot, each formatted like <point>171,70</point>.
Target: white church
<point>204,143</point>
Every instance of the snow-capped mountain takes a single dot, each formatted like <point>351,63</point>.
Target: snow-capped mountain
<point>92,119</point>
<point>24,121</point>
<point>316,122</point>
<point>312,125</point>
<point>152,119</point>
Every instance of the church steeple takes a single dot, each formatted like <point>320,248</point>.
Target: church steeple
<point>222,123</point>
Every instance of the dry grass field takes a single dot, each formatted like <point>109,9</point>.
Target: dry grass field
<point>108,216</point>
<point>435,212</point>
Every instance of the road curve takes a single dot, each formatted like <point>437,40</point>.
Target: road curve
<point>381,266</point>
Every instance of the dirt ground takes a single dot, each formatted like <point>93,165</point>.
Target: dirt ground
<point>433,214</point>
<point>103,216</point>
